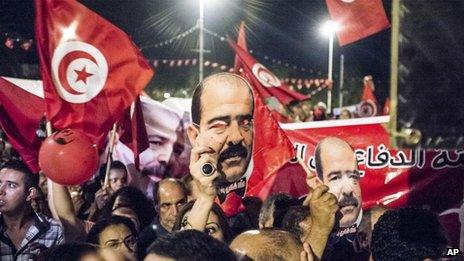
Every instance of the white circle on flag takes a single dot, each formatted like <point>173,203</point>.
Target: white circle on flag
<point>79,71</point>
<point>265,77</point>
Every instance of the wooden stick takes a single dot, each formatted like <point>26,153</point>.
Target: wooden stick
<point>110,153</point>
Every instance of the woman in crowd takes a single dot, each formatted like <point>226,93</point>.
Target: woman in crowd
<point>216,224</point>
<point>117,233</point>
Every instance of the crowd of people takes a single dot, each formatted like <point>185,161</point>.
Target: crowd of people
<point>172,218</point>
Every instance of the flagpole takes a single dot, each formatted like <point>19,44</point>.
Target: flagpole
<point>201,40</point>
<point>110,154</point>
<point>341,81</point>
<point>330,69</point>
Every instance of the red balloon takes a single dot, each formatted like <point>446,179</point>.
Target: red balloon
<point>68,157</point>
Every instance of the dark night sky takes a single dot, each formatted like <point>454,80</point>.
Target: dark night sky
<point>286,30</point>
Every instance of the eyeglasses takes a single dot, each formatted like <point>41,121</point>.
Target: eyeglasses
<point>130,241</point>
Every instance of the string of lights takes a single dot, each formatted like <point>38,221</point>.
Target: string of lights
<point>297,83</point>
<point>14,40</point>
<point>172,39</point>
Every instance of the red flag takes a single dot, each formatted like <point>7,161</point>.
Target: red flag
<point>357,19</point>
<point>91,70</point>
<point>134,133</point>
<point>268,85</point>
<point>271,147</point>
<point>241,41</point>
<point>368,92</point>
<point>20,113</point>
<point>368,106</point>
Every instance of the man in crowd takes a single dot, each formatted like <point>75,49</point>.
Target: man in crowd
<point>169,195</point>
<point>222,126</point>
<point>117,179</point>
<point>268,244</point>
<point>189,245</point>
<point>24,233</point>
<point>336,166</point>
<point>274,208</point>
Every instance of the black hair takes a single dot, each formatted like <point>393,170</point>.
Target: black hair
<point>407,234</point>
<point>102,224</point>
<point>157,185</point>
<point>276,206</point>
<point>68,251</point>
<point>191,245</point>
<point>134,199</point>
<point>292,219</point>
<point>187,181</point>
<point>114,165</point>
<point>223,223</point>
<point>31,180</point>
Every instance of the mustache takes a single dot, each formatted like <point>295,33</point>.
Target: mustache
<point>233,151</point>
<point>348,201</point>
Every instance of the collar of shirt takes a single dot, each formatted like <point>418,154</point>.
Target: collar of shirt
<point>39,227</point>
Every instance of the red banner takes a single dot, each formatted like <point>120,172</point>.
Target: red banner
<point>390,177</point>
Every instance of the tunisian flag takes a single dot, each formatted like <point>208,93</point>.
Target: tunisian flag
<point>21,109</point>
<point>90,68</point>
<point>271,147</point>
<point>358,19</point>
<point>268,84</point>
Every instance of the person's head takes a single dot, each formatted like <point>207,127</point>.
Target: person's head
<point>115,232</point>
<point>307,109</point>
<point>345,114</point>
<point>75,251</point>
<point>216,225</point>
<point>190,188</point>
<point>274,209</point>
<point>337,167</point>
<point>18,187</point>
<point>127,199</point>
<point>297,110</point>
<point>293,221</point>
<point>117,177</point>
<point>188,245</point>
<point>268,244</point>
<point>169,195</point>
<point>166,138</point>
<point>222,117</point>
<point>407,234</point>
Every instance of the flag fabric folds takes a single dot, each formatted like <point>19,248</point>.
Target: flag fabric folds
<point>21,109</point>
<point>133,131</point>
<point>268,85</point>
<point>357,19</point>
<point>271,147</point>
<point>90,69</point>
